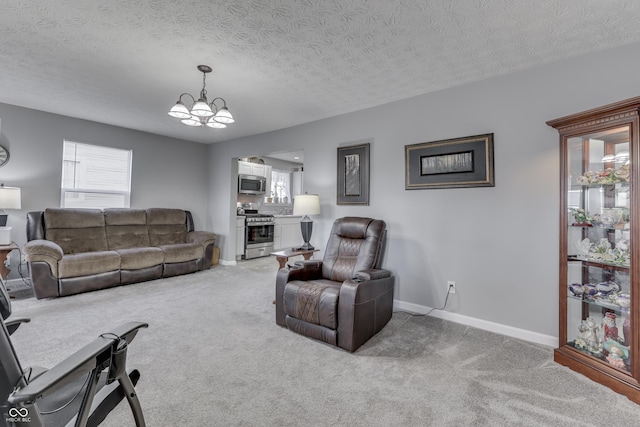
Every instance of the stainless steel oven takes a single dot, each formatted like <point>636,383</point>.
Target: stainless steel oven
<point>259,229</point>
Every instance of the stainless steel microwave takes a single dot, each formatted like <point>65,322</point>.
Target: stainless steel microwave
<point>250,184</point>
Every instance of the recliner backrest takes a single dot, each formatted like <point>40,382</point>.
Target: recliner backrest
<point>166,226</point>
<point>76,230</point>
<point>126,228</point>
<point>355,244</point>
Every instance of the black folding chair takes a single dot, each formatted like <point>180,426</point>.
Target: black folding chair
<point>79,391</point>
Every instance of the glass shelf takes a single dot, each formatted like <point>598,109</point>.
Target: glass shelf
<point>601,301</point>
<point>596,263</point>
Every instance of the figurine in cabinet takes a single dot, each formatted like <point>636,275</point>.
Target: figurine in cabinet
<point>618,354</point>
<point>610,328</point>
<point>588,336</point>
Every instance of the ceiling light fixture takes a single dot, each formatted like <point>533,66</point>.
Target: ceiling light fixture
<point>619,157</point>
<point>202,112</point>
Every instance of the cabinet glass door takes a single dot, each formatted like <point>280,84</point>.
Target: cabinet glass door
<point>597,246</point>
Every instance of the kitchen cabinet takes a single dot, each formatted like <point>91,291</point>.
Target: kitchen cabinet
<point>248,168</point>
<point>286,232</point>
<point>599,252</point>
<point>240,238</point>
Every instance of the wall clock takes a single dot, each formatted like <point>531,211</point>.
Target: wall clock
<point>4,156</point>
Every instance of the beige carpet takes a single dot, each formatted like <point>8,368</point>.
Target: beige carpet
<point>213,356</point>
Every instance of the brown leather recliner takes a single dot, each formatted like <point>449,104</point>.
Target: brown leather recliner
<point>346,298</point>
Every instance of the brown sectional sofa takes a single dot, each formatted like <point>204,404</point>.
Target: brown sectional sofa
<point>70,251</point>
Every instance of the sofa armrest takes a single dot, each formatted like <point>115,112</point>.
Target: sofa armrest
<point>301,270</point>
<point>365,306</point>
<point>205,238</point>
<point>45,251</point>
<point>371,274</point>
<point>359,290</point>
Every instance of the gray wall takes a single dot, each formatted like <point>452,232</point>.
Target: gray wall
<point>166,172</point>
<point>499,244</point>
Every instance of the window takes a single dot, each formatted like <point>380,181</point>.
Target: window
<point>95,176</point>
<point>280,186</point>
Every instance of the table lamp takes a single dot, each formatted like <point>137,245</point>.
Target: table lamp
<point>306,204</point>
<point>9,199</point>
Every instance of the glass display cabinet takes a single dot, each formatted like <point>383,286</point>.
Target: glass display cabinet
<point>599,249</point>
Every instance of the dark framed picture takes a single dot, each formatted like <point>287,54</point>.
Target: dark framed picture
<point>353,175</point>
<point>451,163</point>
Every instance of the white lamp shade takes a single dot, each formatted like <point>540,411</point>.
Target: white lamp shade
<point>10,197</point>
<point>179,111</point>
<point>306,204</point>
<point>224,116</point>
<point>191,122</point>
<point>622,156</point>
<point>213,124</point>
<point>201,109</point>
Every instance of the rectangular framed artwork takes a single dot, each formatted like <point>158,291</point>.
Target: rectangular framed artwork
<point>451,163</point>
<point>353,175</point>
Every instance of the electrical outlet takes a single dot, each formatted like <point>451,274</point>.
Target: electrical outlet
<point>451,287</point>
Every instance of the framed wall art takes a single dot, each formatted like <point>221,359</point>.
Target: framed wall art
<point>451,163</point>
<point>353,175</point>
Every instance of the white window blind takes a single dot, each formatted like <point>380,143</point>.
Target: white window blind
<point>95,176</point>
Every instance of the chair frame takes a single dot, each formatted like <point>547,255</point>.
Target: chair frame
<point>106,355</point>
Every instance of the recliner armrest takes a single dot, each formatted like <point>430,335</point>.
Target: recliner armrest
<point>304,270</point>
<point>45,251</point>
<point>300,270</point>
<point>371,274</point>
<point>203,237</point>
<point>79,363</point>
<point>357,290</point>
<point>42,248</point>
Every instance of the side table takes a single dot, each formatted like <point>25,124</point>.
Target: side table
<point>5,250</point>
<point>283,256</point>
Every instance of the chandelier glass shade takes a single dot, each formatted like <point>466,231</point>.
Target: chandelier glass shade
<point>620,157</point>
<point>202,112</point>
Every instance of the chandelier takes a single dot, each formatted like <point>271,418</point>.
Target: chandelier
<point>202,112</point>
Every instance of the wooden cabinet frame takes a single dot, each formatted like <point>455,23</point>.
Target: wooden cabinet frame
<point>602,119</point>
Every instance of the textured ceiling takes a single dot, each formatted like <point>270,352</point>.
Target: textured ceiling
<point>279,63</point>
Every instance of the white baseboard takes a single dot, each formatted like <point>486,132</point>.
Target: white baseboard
<point>498,328</point>
<point>226,262</point>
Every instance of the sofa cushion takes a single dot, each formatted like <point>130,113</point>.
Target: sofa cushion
<point>166,226</point>
<point>76,230</point>
<point>126,228</point>
<point>314,302</point>
<point>182,252</point>
<point>138,258</point>
<point>88,263</point>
